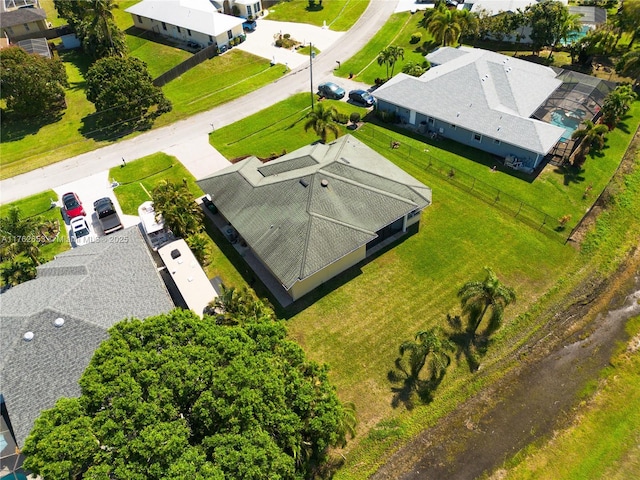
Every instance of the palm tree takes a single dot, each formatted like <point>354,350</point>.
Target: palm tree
<point>321,120</point>
<point>570,23</point>
<point>593,137</point>
<point>19,235</point>
<point>384,58</point>
<point>445,26</point>
<point>102,16</point>
<point>395,53</point>
<point>181,214</point>
<point>629,65</point>
<point>617,104</point>
<point>348,423</point>
<point>477,297</point>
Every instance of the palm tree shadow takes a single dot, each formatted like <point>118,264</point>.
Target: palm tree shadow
<point>464,340</point>
<point>571,173</point>
<point>406,393</point>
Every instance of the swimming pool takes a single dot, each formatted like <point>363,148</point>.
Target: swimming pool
<point>569,121</point>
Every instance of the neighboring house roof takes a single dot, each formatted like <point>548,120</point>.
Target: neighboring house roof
<point>297,226</point>
<point>21,16</point>
<point>590,15</point>
<point>92,288</point>
<point>481,91</point>
<point>196,15</point>
<point>493,7</point>
<point>36,45</point>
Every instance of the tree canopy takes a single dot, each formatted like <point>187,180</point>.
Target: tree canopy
<point>177,396</point>
<point>124,94</point>
<point>178,208</point>
<point>94,24</point>
<point>31,85</point>
<point>550,23</point>
<point>322,120</point>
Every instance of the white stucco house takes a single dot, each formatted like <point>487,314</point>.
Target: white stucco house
<point>198,21</point>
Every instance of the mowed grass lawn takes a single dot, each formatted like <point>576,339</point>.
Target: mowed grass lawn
<point>356,322</point>
<point>397,31</point>
<point>339,15</point>
<point>275,130</point>
<point>603,442</point>
<point>142,175</point>
<point>30,145</point>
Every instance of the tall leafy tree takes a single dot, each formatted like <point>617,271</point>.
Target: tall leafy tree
<point>628,19</point>
<point>31,85</point>
<point>94,23</point>
<point>177,396</point>
<point>322,120</point>
<point>548,21</point>
<point>181,214</point>
<point>477,297</point>
<point>124,94</point>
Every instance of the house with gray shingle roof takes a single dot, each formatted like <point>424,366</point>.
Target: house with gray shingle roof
<point>317,211</point>
<point>22,21</point>
<point>52,325</point>
<point>482,99</point>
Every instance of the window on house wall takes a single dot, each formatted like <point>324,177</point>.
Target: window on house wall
<point>496,141</point>
<point>139,19</point>
<point>230,34</point>
<point>179,31</point>
<point>257,8</point>
<point>188,32</point>
<point>210,38</point>
<point>26,27</point>
<point>248,10</point>
<point>164,26</point>
<point>453,126</point>
<point>477,137</point>
<point>430,120</point>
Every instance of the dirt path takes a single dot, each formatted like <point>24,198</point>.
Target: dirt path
<point>538,396</point>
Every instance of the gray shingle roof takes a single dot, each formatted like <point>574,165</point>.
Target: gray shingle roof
<point>20,16</point>
<point>589,14</point>
<point>92,288</point>
<point>481,91</point>
<point>297,226</point>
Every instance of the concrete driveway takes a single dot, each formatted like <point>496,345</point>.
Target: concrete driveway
<point>261,42</point>
<point>89,190</point>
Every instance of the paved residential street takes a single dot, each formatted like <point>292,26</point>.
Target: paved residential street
<point>188,139</point>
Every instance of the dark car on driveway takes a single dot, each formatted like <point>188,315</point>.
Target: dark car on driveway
<point>107,215</point>
<point>72,206</point>
<point>362,97</point>
<point>331,91</point>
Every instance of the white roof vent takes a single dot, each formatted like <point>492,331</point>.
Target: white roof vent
<point>28,336</point>
<point>58,322</point>
<point>324,182</point>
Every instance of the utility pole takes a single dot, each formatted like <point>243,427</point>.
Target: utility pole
<point>311,70</point>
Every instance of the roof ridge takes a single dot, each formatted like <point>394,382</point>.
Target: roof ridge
<point>367,187</point>
<point>307,236</point>
<point>339,222</point>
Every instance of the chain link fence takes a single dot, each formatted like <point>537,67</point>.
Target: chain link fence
<point>523,212</point>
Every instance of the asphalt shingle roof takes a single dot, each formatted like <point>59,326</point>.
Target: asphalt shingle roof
<point>481,91</point>
<point>21,16</point>
<point>92,288</point>
<point>309,208</point>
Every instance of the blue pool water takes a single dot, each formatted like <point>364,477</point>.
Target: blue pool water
<point>575,36</point>
<point>560,119</point>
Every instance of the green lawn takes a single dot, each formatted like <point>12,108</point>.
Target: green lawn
<point>397,31</point>
<point>339,15</point>
<point>260,135</point>
<point>607,428</point>
<point>356,321</point>
<point>140,176</point>
<point>30,145</point>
